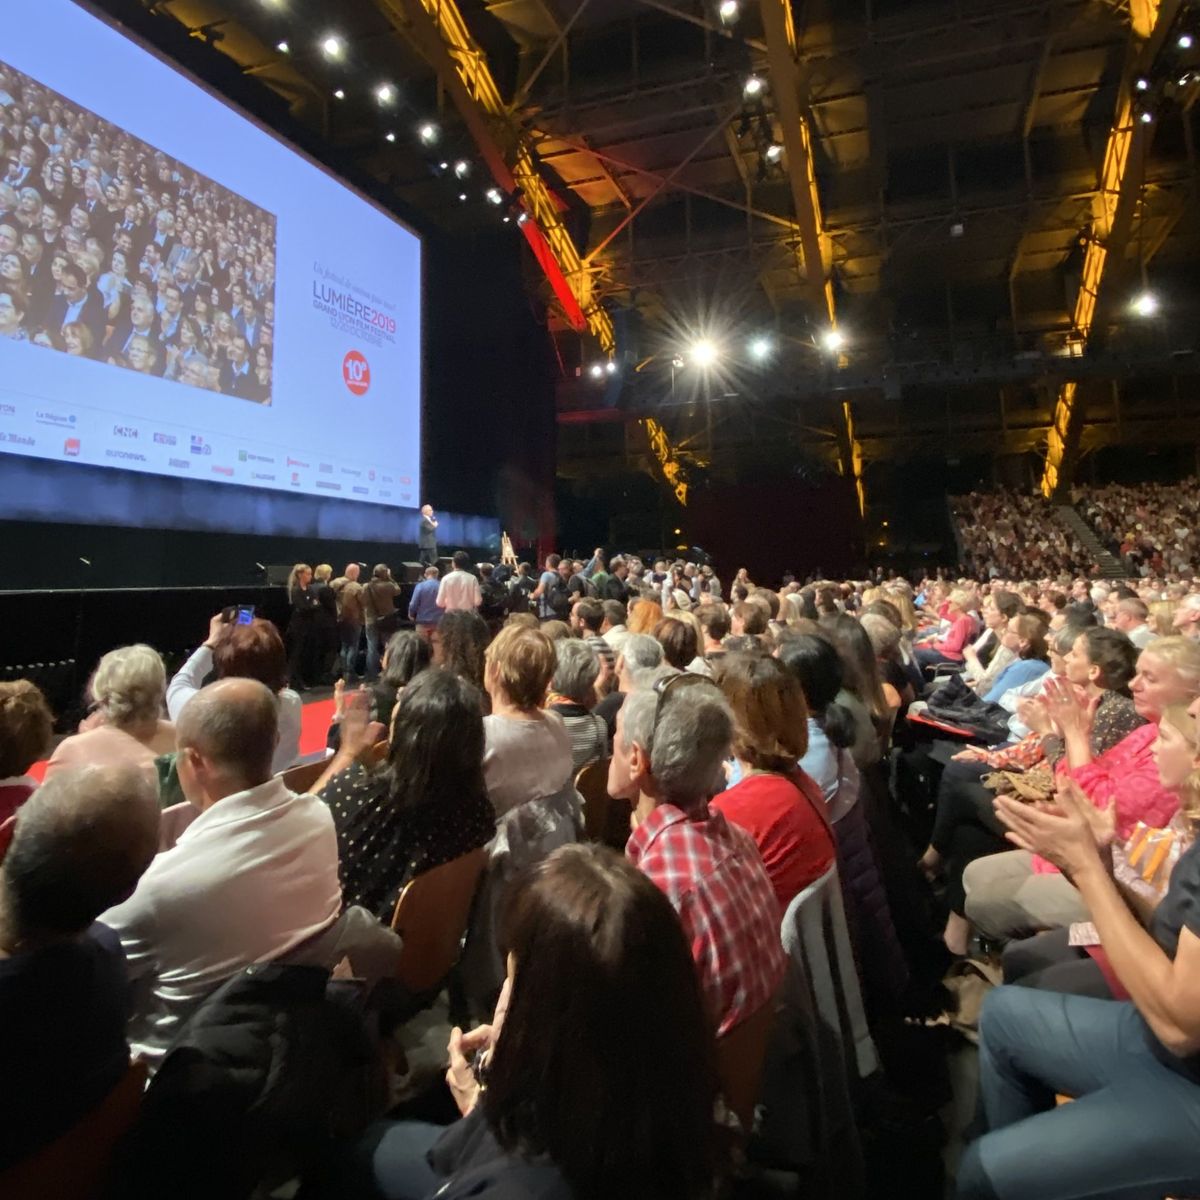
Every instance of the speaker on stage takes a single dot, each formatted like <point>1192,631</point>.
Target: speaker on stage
<point>278,573</point>
<point>410,572</point>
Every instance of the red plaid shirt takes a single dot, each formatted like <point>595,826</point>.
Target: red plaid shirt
<point>711,872</point>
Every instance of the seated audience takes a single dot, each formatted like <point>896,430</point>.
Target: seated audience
<point>573,696</point>
<point>26,727</point>
<point>950,648</point>
<point>594,952</point>
<point>527,752</point>
<point>668,754</point>
<point>233,651</point>
<point>126,724</point>
<point>251,878</point>
<point>427,804</point>
<point>1132,1069</point>
<point>1016,893</point>
<point>81,843</point>
<point>769,796</point>
<point>1025,636</point>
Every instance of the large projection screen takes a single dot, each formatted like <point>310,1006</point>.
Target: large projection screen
<point>184,295</point>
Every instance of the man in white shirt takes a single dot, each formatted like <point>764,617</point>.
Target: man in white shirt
<point>459,589</point>
<point>1130,619</point>
<point>253,876</point>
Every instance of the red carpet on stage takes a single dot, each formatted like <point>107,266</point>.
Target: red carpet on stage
<point>314,726</point>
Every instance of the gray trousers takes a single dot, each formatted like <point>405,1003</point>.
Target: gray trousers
<point>1005,899</point>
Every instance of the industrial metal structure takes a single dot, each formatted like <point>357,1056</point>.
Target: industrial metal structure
<point>843,231</point>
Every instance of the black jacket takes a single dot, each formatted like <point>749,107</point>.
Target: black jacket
<point>271,1070</point>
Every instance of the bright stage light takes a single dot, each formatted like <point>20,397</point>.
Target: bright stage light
<point>1142,84</point>
<point>1146,118</point>
<point>833,340</point>
<point>390,136</point>
<point>283,47</point>
<point>1145,305</point>
<point>339,94</point>
<point>462,169</point>
<point>522,217</point>
<point>727,10</point>
<point>610,367</point>
<point>428,133</point>
<point>1185,41</point>
<point>774,152</point>
<point>677,362</point>
<point>494,196</point>
<point>703,353</point>
<point>753,86</point>
<point>462,195</point>
<point>333,47</point>
<point>386,94</point>
<point>760,349</point>
<point>596,371</point>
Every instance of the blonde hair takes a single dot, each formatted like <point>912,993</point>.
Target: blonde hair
<point>323,573</point>
<point>1180,653</point>
<point>961,598</point>
<point>524,662</point>
<point>903,602</point>
<point>1162,616</point>
<point>1178,717</point>
<point>294,578</point>
<point>130,684</point>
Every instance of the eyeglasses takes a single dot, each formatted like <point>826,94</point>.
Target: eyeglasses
<point>676,683</point>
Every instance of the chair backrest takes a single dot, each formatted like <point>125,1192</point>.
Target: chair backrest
<point>76,1165</point>
<point>740,1056</point>
<point>431,918</point>
<point>817,940</point>
<point>605,819</point>
<point>300,779</point>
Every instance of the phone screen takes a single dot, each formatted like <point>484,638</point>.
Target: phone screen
<point>245,614</point>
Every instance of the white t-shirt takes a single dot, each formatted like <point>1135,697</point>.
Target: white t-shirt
<point>459,590</point>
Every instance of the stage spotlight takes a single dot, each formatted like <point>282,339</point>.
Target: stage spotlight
<point>506,218</point>
<point>462,169</point>
<point>494,195</point>
<point>833,340</point>
<point>462,196</point>
<point>753,86</point>
<point>1185,41</point>
<point>385,93</point>
<point>339,94</point>
<point>760,349</point>
<point>610,367</point>
<point>390,136</point>
<point>727,10</point>
<point>283,48</point>
<point>1146,118</point>
<point>703,353</point>
<point>522,217</point>
<point>677,362</point>
<point>428,133</point>
<point>1145,305</point>
<point>774,152</point>
<point>333,47</point>
<point>596,371</point>
<point>1142,84</point>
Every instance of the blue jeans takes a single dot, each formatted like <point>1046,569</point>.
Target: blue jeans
<point>1133,1133</point>
<point>374,652</point>
<point>349,636</point>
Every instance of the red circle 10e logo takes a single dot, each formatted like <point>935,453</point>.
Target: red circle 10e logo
<point>356,372</point>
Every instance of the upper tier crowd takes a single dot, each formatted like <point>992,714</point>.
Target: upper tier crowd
<point>182,891</point>
<point>1151,528</point>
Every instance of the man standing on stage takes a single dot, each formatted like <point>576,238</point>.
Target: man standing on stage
<point>427,539</point>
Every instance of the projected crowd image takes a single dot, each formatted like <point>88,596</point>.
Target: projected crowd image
<point>112,250</point>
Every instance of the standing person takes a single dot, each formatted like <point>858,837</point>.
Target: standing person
<point>459,589</point>
<point>520,588</point>
<point>379,608</point>
<point>423,607</point>
<point>349,592</point>
<point>553,599</point>
<point>427,537</point>
<point>301,630</point>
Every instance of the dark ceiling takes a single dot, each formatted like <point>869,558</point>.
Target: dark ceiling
<point>957,147</point>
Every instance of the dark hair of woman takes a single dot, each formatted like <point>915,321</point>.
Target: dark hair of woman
<point>859,665</point>
<point>817,665</point>
<point>592,939</point>
<point>436,749</point>
<point>808,603</point>
<point>464,637</point>
<point>408,654</point>
<point>678,642</point>
<point>1114,654</point>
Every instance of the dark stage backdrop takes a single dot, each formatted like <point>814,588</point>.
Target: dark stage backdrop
<point>770,528</point>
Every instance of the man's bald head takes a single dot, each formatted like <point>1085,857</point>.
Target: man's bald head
<point>81,844</point>
<point>233,726</point>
